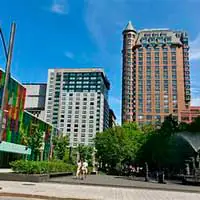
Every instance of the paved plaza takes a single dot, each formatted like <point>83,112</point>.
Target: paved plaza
<point>15,198</point>
<point>90,192</point>
<point>117,181</point>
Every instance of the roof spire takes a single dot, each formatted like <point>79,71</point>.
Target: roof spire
<point>129,27</point>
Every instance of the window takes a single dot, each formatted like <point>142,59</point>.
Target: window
<point>173,49</point>
<point>90,135</point>
<point>149,117</point>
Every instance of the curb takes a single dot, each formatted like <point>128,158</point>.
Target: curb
<point>184,190</point>
<point>33,196</point>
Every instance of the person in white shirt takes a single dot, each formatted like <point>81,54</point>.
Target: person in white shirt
<point>79,168</point>
<point>85,168</point>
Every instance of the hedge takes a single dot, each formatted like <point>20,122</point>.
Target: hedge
<point>40,167</point>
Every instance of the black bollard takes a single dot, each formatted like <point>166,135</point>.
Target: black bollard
<point>161,177</point>
<point>146,172</point>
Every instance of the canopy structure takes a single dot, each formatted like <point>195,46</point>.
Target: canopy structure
<point>192,138</point>
<point>14,148</point>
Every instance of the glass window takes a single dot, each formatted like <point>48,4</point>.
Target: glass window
<point>149,117</point>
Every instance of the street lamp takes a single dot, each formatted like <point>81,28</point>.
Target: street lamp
<point>8,54</point>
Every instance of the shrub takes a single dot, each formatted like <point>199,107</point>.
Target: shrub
<point>40,167</point>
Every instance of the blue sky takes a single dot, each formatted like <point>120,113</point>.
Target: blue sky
<point>87,33</point>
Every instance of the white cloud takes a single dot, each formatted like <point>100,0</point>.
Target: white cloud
<point>195,48</point>
<point>60,7</point>
<point>195,101</point>
<point>69,55</point>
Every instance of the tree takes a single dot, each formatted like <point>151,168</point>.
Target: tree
<point>119,145</point>
<point>195,125</point>
<point>35,141</point>
<point>169,126</point>
<point>183,127</point>
<point>155,150</point>
<point>85,153</point>
<point>60,146</point>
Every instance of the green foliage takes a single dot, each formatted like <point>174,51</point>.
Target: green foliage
<point>85,153</point>
<point>164,149</point>
<point>160,148</point>
<point>40,167</point>
<point>183,127</point>
<point>35,141</point>
<point>119,144</point>
<point>60,146</point>
<point>169,126</point>
<point>195,125</point>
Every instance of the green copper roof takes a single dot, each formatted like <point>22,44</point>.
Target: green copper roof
<point>129,27</point>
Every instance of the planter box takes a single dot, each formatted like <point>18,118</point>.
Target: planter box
<point>58,174</point>
<point>93,173</point>
<point>24,177</point>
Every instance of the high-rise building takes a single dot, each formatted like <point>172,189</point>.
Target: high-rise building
<point>190,114</point>
<point>112,118</point>
<point>35,99</point>
<point>156,74</point>
<point>77,103</point>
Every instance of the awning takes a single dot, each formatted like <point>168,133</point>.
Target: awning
<point>14,148</point>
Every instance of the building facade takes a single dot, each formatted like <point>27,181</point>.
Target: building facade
<point>112,118</point>
<point>17,122</point>
<point>190,114</point>
<point>77,103</point>
<point>13,110</point>
<point>35,99</point>
<point>156,74</point>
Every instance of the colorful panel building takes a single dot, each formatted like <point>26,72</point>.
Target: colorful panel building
<point>13,110</point>
<point>18,123</point>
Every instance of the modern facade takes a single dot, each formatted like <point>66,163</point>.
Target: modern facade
<point>190,114</point>
<point>35,99</point>
<point>77,103</point>
<point>156,74</point>
<point>13,110</point>
<point>17,121</point>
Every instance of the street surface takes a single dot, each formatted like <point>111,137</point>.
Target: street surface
<point>117,181</point>
<point>91,192</point>
<point>16,198</point>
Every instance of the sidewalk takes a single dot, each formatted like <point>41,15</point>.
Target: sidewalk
<point>125,182</point>
<point>63,191</point>
<point>5,170</point>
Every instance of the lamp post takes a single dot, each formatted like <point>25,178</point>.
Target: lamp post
<point>8,54</point>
